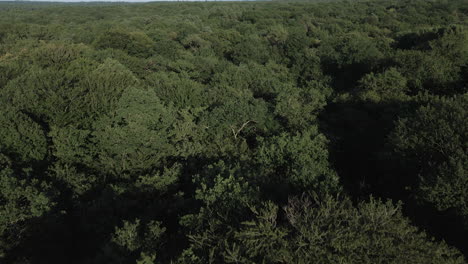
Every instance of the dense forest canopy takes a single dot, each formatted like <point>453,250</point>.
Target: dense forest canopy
<point>247,132</point>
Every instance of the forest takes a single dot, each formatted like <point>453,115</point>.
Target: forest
<point>234,132</point>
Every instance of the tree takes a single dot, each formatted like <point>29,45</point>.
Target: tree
<point>135,43</point>
<point>432,144</point>
<point>23,139</point>
<point>23,200</point>
<point>292,163</point>
<point>387,86</point>
<point>136,137</point>
<point>330,229</point>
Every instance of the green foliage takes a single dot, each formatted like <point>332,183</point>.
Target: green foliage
<point>22,138</point>
<point>225,198</point>
<point>333,230</point>
<point>250,48</point>
<point>299,160</point>
<point>70,144</point>
<point>177,89</point>
<point>127,235</point>
<point>300,107</point>
<point>387,86</point>
<point>104,86</point>
<point>235,121</point>
<point>136,136</point>
<point>22,202</point>
<point>426,72</point>
<point>178,132</point>
<point>10,67</point>
<point>452,43</point>
<point>57,55</point>
<point>133,237</point>
<point>351,50</point>
<point>135,43</point>
<point>433,141</point>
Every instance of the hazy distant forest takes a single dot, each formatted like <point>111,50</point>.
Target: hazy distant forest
<point>255,132</point>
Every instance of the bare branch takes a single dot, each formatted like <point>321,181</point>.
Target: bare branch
<point>236,133</point>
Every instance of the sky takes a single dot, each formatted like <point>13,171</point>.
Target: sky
<point>122,0</point>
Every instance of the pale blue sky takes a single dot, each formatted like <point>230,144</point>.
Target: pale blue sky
<point>122,0</point>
